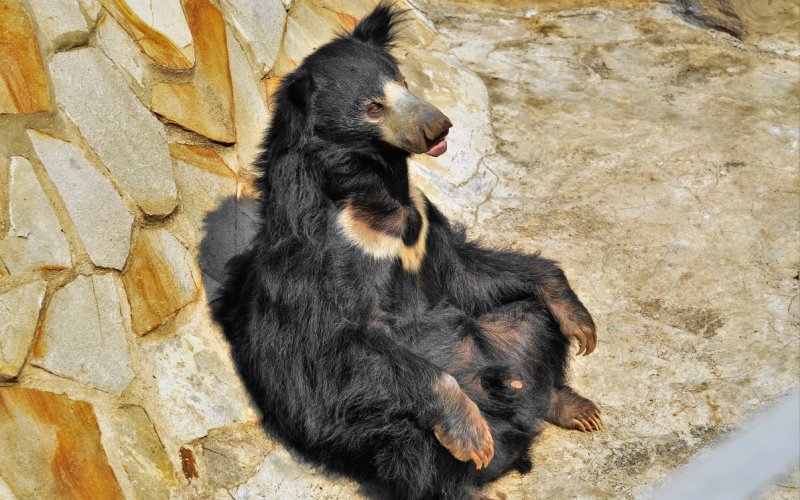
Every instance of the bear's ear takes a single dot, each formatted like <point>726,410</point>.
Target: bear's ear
<point>379,27</point>
<point>298,88</point>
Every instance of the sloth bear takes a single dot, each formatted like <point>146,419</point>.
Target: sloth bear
<point>377,341</point>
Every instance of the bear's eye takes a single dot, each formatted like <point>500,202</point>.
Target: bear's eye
<point>375,109</point>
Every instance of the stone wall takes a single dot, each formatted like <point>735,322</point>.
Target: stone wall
<point>652,147</point>
<point>123,124</point>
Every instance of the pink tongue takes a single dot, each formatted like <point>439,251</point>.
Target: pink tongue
<point>438,149</point>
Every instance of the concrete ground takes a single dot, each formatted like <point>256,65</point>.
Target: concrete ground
<point>658,161</point>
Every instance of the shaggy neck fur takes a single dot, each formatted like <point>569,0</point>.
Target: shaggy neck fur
<point>380,211</point>
<point>382,214</point>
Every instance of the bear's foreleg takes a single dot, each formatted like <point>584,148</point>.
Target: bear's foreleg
<point>487,278</point>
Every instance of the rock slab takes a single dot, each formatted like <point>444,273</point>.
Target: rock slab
<point>35,241</point>
<point>84,336</point>
<point>23,82</point>
<point>196,382</point>
<point>161,278</point>
<point>61,22</point>
<point>203,178</point>
<point>259,25</point>
<point>95,207</point>
<point>233,454</point>
<point>204,105</point>
<point>158,27</point>
<point>280,476</point>
<point>132,441</point>
<point>51,447</point>
<point>19,313</point>
<point>116,125</point>
<point>117,45</point>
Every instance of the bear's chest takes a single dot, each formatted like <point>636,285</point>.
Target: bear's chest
<point>388,231</point>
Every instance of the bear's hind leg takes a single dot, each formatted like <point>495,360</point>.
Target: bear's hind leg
<point>572,411</point>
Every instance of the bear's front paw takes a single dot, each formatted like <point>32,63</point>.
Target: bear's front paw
<point>575,322</point>
<point>465,434</point>
<point>585,334</point>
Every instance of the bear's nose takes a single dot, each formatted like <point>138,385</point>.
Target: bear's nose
<point>436,125</point>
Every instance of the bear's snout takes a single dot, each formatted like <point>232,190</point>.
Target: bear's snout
<point>413,124</point>
<point>435,125</point>
<point>435,130</point>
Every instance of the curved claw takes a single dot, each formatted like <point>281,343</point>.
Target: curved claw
<point>592,343</point>
<point>483,457</point>
<point>587,340</point>
<point>587,424</point>
<point>579,424</point>
<point>488,453</point>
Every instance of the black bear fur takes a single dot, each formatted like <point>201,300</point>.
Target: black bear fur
<point>349,356</point>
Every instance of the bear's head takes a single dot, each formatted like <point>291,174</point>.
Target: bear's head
<point>351,92</point>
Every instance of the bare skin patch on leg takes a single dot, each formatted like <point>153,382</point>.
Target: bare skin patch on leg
<point>504,334</point>
<point>464,365</point>
<point>464,355</point>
